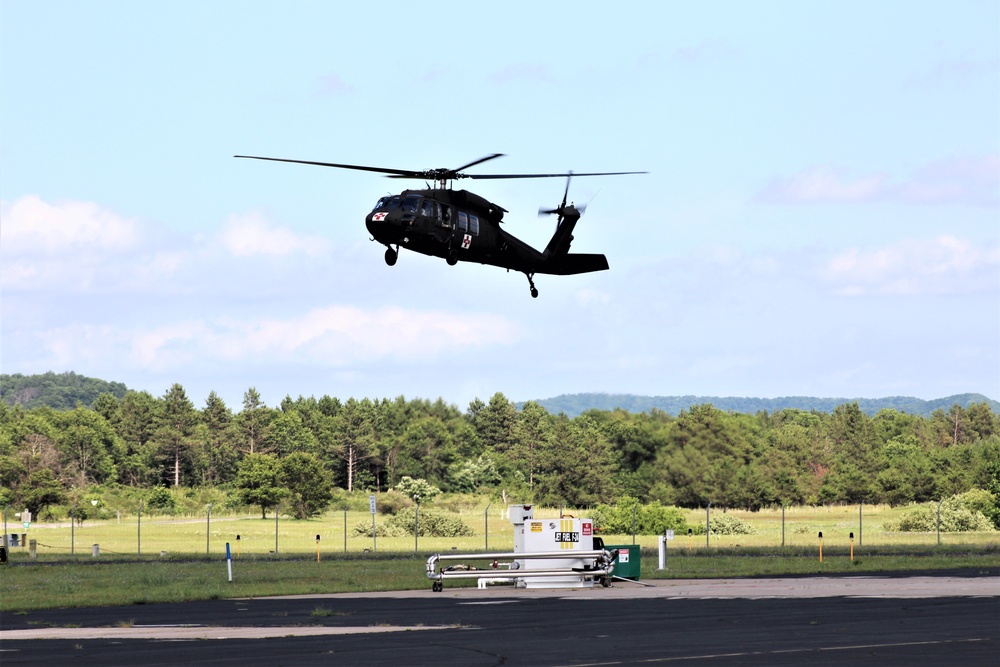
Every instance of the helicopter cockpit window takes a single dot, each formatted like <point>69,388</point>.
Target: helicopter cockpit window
<point>409,204</point>
<point>387,203</point>
<point>474,225</point>
<point>463,221</point>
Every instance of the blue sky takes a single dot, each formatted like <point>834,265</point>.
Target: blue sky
<point>821,216</point>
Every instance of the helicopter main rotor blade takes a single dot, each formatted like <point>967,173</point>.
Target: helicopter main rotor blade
<point>563,175</point>
<point>398,173</point>
<point>438,174</point>
<point>479,161</point>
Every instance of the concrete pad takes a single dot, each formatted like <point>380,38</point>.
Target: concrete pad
<point>792,587</point>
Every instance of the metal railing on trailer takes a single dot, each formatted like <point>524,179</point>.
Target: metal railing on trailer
<point>600,570</point>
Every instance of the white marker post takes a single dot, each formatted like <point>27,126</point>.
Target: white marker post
<point>667,535</point>
<point>229,562</point>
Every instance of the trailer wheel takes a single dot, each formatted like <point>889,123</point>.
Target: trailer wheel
<point>437,587</point>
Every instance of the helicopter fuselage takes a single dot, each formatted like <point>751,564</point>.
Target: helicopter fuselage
<point>458,225</point>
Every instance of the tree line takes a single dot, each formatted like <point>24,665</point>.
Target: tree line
<point>703,455</point>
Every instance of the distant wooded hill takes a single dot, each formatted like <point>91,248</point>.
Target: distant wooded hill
<point>575,404</point>
<point>61,391</point>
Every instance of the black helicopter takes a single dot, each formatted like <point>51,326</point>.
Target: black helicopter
<point>461,226</point>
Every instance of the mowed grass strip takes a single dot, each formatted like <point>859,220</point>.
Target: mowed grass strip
<point>55,585</point>
<point>47,585</point>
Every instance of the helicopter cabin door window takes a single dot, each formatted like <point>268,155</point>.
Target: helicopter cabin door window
<point>430,209</point>
<point>474,225</point>
<point>463,221</point>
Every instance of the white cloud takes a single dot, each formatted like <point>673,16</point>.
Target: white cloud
<point>78,247</point>
<point>522,72</point>
<point>331,337</point>
<point>823,184</point>
<point>250,234</point>
<point>31,225</point>
<point>942,265</point>
<point>333,84</point>
<point>972,181</point>
<point>707,52</point>
<point>343,334</point>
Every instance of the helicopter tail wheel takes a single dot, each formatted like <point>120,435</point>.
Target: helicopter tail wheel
<point>391,256</point>
<point>452,258</point>
<point>531,284</point>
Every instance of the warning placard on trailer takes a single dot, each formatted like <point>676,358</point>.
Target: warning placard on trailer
<point>588,528</point>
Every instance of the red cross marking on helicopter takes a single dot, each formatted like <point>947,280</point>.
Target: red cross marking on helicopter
<point>466,242</point>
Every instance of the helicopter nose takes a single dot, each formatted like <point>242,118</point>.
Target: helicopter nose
<point>383,226</point>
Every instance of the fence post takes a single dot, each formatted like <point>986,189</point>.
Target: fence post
<point>416,526</point>
<point>276,508</point>
<point>860,524</point>
<point>707,527</point>
<point>345,530</point>
<point>939,522</point>
<point>486,516</point>
<point>634,508</point>
<point>138,536</point>
<point>6,541</point>
<point>782,525</point>
<point>208,529</point>
<point>72,531</point>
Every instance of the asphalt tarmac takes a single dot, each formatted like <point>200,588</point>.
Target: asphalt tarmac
<point>935,620</point>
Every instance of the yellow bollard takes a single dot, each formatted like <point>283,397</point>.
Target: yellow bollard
<point>317,548</point>
<point>821,546</point>
<point>852,547</point>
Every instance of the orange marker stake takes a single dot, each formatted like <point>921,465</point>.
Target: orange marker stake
<point>317,548</point>
<point>852,547</point>
<point>821,546</point>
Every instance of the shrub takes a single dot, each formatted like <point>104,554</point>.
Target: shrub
<point>161,499</point>
<point>417,488</point>
<point>976,500</point>
<point>727,524</point>
<point>382,529</point>
<point>649,519</point>
<point>392,502</point>
<point>956,517</point>
<point>432,524</point>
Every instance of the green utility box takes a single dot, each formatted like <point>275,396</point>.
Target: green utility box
<point>627,564</point>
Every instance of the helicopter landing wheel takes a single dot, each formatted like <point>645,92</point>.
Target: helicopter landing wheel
<point>452,258</point>
<point>531,284</point>
<point>391,256</point>
<point>437,587</point>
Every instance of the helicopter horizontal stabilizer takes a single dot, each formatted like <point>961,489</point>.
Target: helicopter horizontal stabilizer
<point>573,263</point>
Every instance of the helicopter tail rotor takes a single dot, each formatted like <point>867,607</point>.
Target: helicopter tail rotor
<point>562,210</point>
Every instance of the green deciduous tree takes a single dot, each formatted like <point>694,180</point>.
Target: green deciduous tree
<point>259,481</point>
<point>308,483</point>
<point>40,490</point>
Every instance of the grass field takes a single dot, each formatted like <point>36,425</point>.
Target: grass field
<point>184,558</point>
<point>208,535</point>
